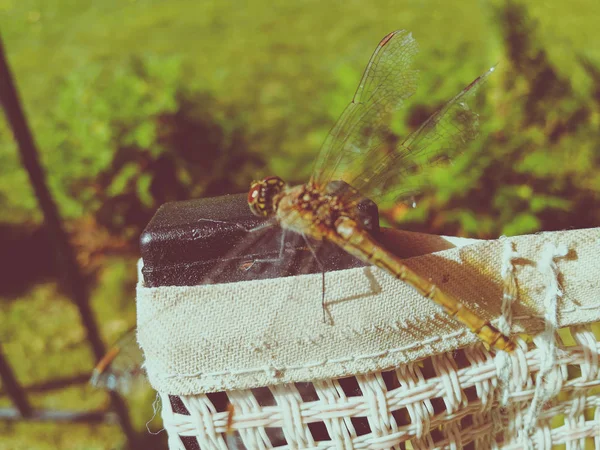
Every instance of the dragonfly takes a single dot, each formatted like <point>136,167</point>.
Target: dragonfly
<point>364,153</point>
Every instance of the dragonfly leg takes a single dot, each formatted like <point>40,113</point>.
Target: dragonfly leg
<point>312,250</point>
<point>262,226</point>
<point>281,248</point>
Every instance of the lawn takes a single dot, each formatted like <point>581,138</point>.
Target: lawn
<point>115,89</point>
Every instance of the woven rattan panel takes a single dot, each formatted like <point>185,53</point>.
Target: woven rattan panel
<point>393,371</point>
<point>451,400</point>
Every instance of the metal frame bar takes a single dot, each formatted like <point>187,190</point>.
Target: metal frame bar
<point>71,272</point>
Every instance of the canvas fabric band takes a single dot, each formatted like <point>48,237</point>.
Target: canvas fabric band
<point>201,339</point>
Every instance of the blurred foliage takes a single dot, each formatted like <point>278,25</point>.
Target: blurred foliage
<point>122,134</point>
<point>125,138</point>
<point>137,102</point>
<point>536,166</point>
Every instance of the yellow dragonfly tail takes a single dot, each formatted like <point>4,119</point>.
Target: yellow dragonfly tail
<point>360,244</point>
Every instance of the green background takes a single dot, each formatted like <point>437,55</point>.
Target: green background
<point>134,103</point>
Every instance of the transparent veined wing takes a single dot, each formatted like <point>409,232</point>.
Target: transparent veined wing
<point>446,133</point>
<point>387,82</point>
<point>362,149</point>
<point>121,369</point>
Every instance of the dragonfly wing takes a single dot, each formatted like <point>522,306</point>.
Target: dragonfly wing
<point>362,149</point>
<point>121,368</point>
<point>438,140</point>
<point>387,82</point>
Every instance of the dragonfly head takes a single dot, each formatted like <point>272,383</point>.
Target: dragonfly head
<point>262,196</point>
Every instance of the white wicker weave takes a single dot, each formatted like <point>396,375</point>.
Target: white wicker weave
<point>447,401</point>
<point>545,394</point>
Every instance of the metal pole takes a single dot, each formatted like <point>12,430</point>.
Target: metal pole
<point>14,389</point>
<point>70,269</point>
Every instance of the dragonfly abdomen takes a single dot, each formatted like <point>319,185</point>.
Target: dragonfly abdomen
<point>360,244</point>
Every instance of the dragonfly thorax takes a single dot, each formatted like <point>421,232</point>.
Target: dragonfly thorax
<point>306,209</point>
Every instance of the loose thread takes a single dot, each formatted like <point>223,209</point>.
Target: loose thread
<point>509,296</point>
<point>155,406</point>
<point>547,380</point>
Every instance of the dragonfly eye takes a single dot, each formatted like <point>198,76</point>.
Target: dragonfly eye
<point>261,196</point>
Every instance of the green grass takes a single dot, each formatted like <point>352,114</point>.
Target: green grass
<point>287,69</point>
<point>282,72</point>
<point>43,340</point>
